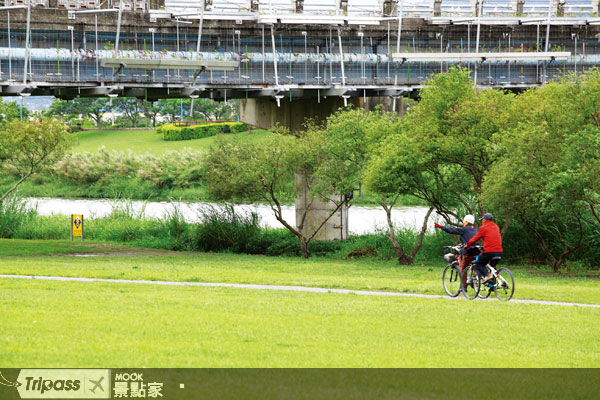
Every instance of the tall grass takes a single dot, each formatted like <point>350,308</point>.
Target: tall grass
<point>14,214</point>
<point>222,229</point>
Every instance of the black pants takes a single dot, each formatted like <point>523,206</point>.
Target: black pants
<point>482,260</point>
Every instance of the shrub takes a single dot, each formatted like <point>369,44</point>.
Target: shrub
<point>126,173</point>
<point>173,132</point>
<point>222,229</point>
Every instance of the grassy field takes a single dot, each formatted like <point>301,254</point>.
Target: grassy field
<point>116,325</point>
<point>148,141</point>
<point>124,262</point>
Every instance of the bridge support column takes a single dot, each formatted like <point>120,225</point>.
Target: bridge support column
<point>264,113</point>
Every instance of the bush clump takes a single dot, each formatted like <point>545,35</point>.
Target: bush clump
<point>172,132</point>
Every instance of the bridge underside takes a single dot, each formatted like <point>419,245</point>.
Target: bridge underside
<point>74,56</point>
<point>153,92</point>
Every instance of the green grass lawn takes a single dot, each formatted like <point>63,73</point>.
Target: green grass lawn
<point>123,262</point>
<point>121,325</point>
<point>148,141</point>
<point>127,325</point>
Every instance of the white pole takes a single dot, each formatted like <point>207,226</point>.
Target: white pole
<point>274,56</point>
<point>9,51</point>
<point>400,4</point>
<point>341,57</point>
<point>72,54</point>
<point>27,41</point>
<point>479,12</point>
<point>200,31</point>
<point>96,49</point>
<point>548,26</point>
<point>119,27</point>
<point>545,69</point>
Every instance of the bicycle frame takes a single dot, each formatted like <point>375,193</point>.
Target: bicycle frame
<point>499,279</point>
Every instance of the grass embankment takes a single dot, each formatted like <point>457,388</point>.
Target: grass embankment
<point>117,325</point>
<point>148,141</point>
<point>171,177</point>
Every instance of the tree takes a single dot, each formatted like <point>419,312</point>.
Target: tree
<point>93,108</point>
<point>267,171</point>
<point>151,110</point>
<point>215,110</point>
<point>547,174</point>
<point>461,126</point>
<point>131,107</point>
<point>204,109</point>
<point>401,167</point>
<point>11,111</point>
<point>170,108</point>
<point>28,146</point>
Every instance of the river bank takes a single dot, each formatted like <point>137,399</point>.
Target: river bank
<point>362,220</point>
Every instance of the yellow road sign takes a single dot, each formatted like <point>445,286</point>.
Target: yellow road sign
<point>76,226</point>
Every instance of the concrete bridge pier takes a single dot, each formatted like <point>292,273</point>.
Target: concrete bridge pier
<point>264,113</point>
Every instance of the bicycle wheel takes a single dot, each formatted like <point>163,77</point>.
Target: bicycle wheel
<point>505,285</point>
<point>473,283</point>
<point>484,292</point>
<point>451,280</point>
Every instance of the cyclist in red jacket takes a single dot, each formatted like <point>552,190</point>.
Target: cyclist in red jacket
<point>492,245</point>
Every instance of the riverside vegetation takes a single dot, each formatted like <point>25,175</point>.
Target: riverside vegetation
<point>530,159</point>
<point>222,230</point>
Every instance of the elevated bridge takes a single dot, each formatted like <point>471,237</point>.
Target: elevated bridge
<point>288,59</point>
<point>286,49</point>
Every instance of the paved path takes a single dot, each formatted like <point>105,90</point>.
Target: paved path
<point>279,287</point>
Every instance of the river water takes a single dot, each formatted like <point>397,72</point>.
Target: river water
<point>361,219</point>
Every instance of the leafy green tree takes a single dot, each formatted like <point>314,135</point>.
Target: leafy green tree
<point>215,110</point>
<point>460,126</point>
<point>347,143</point>
<point>170,108</point>
<point>28,146</point>
<point>267,172</point>
<point>204,109</point>
<point>545,174</point>
<point>151,111</point>
<point>402,167</point>
<point>10,111</point>
<point>131,107</point>
<point>93,108</point>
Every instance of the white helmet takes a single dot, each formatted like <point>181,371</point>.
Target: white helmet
<point>469,219</point>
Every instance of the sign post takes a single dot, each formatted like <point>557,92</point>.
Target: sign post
<point>77,226</point>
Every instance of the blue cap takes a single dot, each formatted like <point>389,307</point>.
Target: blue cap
<point>487,216</point>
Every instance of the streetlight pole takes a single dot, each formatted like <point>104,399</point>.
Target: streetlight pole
<point>27,33</point>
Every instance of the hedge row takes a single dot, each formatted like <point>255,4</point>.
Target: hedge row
<point>173,132</point>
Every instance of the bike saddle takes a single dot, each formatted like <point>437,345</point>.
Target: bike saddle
<point>494,261</point>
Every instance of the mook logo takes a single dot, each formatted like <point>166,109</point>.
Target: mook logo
<point>64,384</point>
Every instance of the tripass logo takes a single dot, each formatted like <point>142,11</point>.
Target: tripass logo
<point>6,382</point>
<point>63,384</point>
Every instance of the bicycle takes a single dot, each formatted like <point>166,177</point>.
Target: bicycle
<point>502,283</point>
<point>451,277</point>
